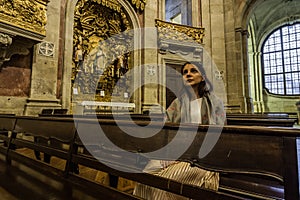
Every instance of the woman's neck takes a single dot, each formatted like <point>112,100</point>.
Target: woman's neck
<point>196,94</point>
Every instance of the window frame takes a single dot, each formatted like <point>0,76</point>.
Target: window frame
<point>295,90</point>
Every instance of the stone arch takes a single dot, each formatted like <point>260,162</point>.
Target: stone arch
<point>264,22</point>
<point>68,46</point>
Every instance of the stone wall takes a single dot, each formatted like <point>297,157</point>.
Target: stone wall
<point>277,103</point>
<point>46,81</point>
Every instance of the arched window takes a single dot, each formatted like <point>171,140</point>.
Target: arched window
<point>281,61</point>
<point>179,11</point>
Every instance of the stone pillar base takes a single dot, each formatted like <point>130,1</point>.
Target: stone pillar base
<point>35,106</point>
<point>249,105</point>
<point>239,105</point>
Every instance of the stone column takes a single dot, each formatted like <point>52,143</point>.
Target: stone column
<point>149,69</point>
<point>258,104</point>
<point>242,41</point>
<point>45,64</point>
<point>214,59</point>
<point>196,14</point>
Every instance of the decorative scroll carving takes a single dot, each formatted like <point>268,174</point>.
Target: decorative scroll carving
<point>172,31</point>
<point>99,61</point>
<point>177,38</point>
<point>115,5</point>
<point>139,4</point>
<point>29,15</point>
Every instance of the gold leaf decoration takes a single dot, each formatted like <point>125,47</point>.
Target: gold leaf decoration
<point>100,61</point>
<point>25,14</point>
<point>112,4</point>
<point>178,32</point>
<point>139,4</point>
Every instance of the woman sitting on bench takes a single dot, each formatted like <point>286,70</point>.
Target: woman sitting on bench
<point>196,104</point>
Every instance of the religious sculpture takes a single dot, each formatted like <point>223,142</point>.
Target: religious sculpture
<point>100,58</point>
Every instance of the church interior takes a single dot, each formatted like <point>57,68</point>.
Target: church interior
<point>101,57</point>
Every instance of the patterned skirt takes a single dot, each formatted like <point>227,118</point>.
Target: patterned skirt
<point>181,172</point>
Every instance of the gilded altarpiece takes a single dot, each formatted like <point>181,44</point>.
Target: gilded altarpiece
<point>101,55</point>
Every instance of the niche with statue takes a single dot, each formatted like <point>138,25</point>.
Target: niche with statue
<point>101,55</point>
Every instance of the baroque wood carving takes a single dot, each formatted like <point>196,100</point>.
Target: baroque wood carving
<point>29,15</point>
<point>171,31</point>
<point>139,4</point>
<point>101,55</point>
<point>176,37</point>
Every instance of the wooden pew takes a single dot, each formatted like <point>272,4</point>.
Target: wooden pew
<point>52,129</point>
<point>254,162</point>
<point>281,119</point>
<point>258,115</point>
<point>131,116</point>
<point>61,131</point>
<point>240,120</point>
<point>48,112</point>
<point>261,122</point>
<point>7,124</point>
<point>290,114</point>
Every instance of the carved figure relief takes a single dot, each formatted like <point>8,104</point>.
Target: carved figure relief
<point>100,60</point>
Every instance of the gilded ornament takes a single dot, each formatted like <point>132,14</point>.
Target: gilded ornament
<point>178,32</point>
<point>139,4</point>
<point>98,65</point>
<point>25,14</point>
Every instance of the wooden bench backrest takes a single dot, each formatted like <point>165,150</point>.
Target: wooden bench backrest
<point>59,134</point>
<point>7,122</point>
<point>60,129</point>
<point>256,150</point>
<point>258,115</point>
<point>239,120</point>
<point>280,122</point>
<point>137,117</point>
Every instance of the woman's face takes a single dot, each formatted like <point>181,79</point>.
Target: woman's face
<point>191,75</point>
